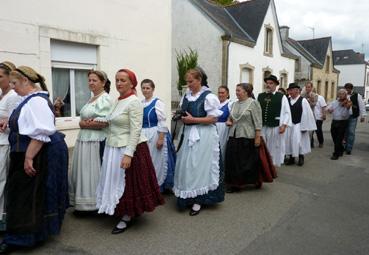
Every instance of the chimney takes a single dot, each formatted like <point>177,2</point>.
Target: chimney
<point>284,30</point>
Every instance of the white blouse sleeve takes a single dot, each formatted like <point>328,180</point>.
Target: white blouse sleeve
<point>36,120</point>
<point>285,116</point>
<point>12,103</point>
<point>212,106</point>
<point>160,113</point>
<point>307,119</point>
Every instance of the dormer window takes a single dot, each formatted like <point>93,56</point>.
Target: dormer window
<point>268,44</point>
<point>327,64</point>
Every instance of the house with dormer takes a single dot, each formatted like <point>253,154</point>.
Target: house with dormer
<point>314,63</point>
<point>353,69</point>
<point>236,43</point>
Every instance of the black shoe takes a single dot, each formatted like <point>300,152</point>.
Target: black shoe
<point>6,248</point>
<point>334,157</point>
<point>290,161</point>
<point>117,230</point>
<point>348,152</point>
<point>301,160</point>
<point>258,184</point>
<point>232,189</point>
<point>193,212</point>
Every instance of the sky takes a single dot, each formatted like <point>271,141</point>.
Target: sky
<point>347,22</point>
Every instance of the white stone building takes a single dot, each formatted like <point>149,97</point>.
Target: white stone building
<point>64,39</point>
<point>353,69</point>
<point>237,43</point>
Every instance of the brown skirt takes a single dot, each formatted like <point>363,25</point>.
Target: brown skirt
<point>142,192</point>
<point>267,171</point>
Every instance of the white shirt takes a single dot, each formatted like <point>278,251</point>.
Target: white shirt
<point>339,112</point>
<point>7,104</point>
<point>307,118</point>
<point>36,119</point>
<point>318,109</point>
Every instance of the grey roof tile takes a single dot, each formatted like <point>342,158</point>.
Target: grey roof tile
<point>348,57</point>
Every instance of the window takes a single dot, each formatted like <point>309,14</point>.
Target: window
<point>283,80</point>
<point>319,87</point>
<point>326,90</point>
<point>327,66</point>
<point>247,73</point>
<point>70,65</point>
<point>333,89</point>
<point>298,64</point>
<point>268,44</point>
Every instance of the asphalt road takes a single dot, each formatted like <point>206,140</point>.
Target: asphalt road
<point>320,208</point>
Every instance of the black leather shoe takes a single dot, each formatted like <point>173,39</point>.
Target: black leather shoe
<point>6,248</point>
<point>290,161</point>
<point>348,152</point>
<point>194,213</point>
<point>258,184</point>
<point>334,157</point>
<point>117,230</point>
<point>301,160</point>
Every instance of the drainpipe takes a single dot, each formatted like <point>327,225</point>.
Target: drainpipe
<point>225,59</point>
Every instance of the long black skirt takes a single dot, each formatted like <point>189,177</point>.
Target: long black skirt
<point>36,205</point>
<point>242,162</point>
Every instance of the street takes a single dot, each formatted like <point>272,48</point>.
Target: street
<point>320,208</point>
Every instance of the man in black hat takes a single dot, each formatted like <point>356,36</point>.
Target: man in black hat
<point>298,137</point>
<point>276,118</point>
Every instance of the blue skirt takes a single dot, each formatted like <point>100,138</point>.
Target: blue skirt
<point>55,197</point>
<point>169,180</point>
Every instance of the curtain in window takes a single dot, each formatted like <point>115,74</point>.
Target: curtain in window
<point>61,89</point>
<point>82,91</point>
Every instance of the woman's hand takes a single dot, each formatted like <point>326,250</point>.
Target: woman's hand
<point>126,162</point>
<point>28,167</point>
<point>3,125</point>
<point>188,119</point>
<point>229,123</point>
<point>159,143</point>
<point>257,141</point>
<point>282,129</point>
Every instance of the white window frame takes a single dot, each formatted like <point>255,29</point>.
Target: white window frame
<point>268,41</point>
<point>73,120</point>
<point>250,69</point>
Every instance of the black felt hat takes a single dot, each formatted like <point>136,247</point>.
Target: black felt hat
<point>272,78</point>
<point>293,86</point>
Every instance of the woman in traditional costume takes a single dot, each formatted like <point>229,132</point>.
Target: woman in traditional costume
<point>159,140</point>
<point>37,183</point>
<point>242,159</point>
<point>89,147</point>
<point>8,101</point>
<point>128,186</point>
<point>223,129</point>
<point>198,178</point>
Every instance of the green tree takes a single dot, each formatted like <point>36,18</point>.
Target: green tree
<point>225,2</point>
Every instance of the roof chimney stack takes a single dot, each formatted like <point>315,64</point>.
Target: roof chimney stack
<point>285,31</point>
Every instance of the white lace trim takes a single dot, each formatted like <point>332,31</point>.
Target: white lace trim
<point>204,190</point>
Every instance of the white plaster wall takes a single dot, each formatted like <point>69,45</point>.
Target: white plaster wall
<point>239,54</point>
<point>193,29</point>
<point>130,34</point>
<point>354,74</point>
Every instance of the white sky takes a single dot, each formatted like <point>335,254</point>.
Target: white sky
<point>346,21</point>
